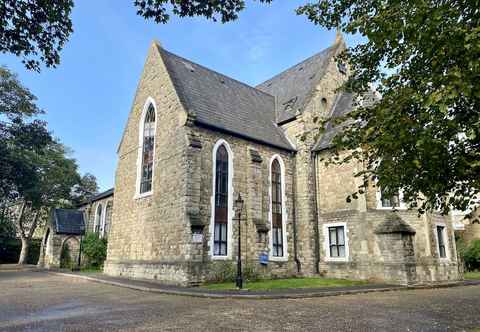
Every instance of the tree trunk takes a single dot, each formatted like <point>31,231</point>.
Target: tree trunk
<point>24,252</point>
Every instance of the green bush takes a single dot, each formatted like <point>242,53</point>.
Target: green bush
<point>472,256</point>
<point>94,251</point>
<point>10,250</point>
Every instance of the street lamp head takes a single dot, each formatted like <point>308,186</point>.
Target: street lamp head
<point>239,203</point>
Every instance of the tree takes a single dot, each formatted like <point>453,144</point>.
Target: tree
<point>85,189</point>
<point>35,172</point>
<point>36,31</point>
<point>423,135</point>
<point>51,182</point>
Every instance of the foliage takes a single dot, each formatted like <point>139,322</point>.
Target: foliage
<point>85,189</point>
<point>36,31</point>
<point>423,134</point>
<point>472,256</point>
<point>289,283</point>
<point>472,275</point>
<point>10,250</point>
<point>35,171</point>
<point>94,249</point>
<point>160,10</point>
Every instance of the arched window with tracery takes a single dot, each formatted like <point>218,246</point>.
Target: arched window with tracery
<point>98,219</point>
<point>220,242</point>
<point>277,217</point>
<point>148,145</point>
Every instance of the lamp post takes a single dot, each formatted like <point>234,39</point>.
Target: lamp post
<point>239,207</point>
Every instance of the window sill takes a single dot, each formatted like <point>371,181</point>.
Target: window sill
<point>278,259</point>
<point>399,208</point>
<point>220,258</point>
<point>143,195</point>
<point>336,260</point>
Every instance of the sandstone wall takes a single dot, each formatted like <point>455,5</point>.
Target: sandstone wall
<point>150,235</point>
<point>251,163</point>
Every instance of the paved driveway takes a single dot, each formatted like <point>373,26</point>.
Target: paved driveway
<point>36,301</point>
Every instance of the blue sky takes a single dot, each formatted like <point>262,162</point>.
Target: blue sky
<point>88,97</point>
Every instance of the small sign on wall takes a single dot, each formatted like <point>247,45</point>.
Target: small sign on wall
<point>263,258</point>
<point>197,237</point>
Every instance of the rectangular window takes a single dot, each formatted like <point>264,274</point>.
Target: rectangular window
<point>390,201</point>
<point>441,241</point>
<point>336,236</point>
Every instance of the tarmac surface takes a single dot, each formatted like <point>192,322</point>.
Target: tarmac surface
<point>39,301</point>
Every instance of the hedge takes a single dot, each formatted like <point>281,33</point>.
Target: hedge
<point>10,250</point>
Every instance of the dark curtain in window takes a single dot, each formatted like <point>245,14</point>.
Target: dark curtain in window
<point>147,152</point>
<point>221,202</point>
<point>277,226</point>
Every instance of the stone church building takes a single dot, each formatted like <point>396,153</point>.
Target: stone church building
<point>196,140</point>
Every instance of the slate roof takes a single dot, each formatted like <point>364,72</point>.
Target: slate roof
<point>223,103</point>
<point>341,106</point>
<point>69,222</point>
<point>294,86</point>
<point>99,196</point>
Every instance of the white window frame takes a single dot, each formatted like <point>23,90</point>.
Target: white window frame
<point>231,212</point>
<point>326,241</point>
<point>271,257</point>
<point>150,101</point>
<point>402,205</point>
<point>445,239</point>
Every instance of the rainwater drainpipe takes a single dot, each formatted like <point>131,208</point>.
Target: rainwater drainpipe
<point>316,233</point>
<point>294,212</point>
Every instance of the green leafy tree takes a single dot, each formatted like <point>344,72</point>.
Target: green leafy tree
<point>36,31</point>
<point>36,173</point>
<point>423,134</point>
<point>85,189</point>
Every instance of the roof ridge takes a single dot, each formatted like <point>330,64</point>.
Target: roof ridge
<point>218,73</point>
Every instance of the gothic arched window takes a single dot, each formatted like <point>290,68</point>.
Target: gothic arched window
<point>277,218</point>
<point>147,150</point>
<point>98,219</point>
<point>221,202</point>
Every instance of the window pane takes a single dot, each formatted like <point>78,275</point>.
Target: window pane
<point>217,232</point>
<point>333,235</point>
<point>341,251</point>
<point>223,228</point>
<point>340,234</point>
<point>333,251</point>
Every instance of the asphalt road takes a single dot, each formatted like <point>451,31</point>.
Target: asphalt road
<point>37,301</point>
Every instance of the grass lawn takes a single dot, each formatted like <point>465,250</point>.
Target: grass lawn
<point>287,283</point>
<point>472,275</point>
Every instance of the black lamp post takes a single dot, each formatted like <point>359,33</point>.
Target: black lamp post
<point>239,207</point>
